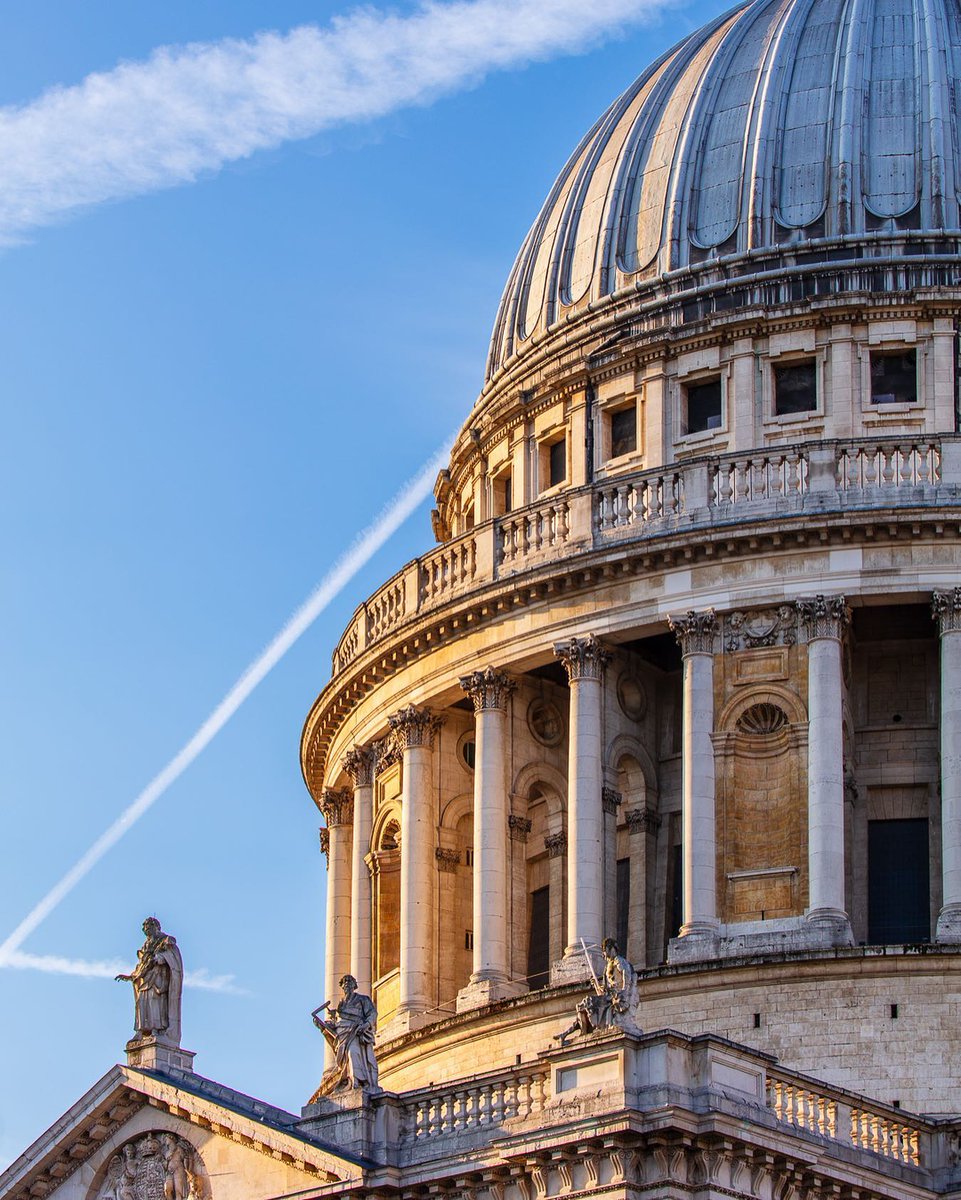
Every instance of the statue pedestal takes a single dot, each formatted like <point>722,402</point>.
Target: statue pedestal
<point>358,1120</point>
<point>154,1054</point>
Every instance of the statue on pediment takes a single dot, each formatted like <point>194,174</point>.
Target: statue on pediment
<point>157,982</point>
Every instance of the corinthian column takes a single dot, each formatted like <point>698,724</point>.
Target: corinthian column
<point>414,730</point>
<point>584,660</point>
<point>947,612</point>
<point>490,978</point>
<point>824,620</point>
<point>695,632</point>
<point>359,764</point>
<point>337,809</point>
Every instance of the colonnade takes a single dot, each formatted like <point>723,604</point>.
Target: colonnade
<point>822,621</point>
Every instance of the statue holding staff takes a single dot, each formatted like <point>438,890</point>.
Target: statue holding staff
<point>350,1032</point>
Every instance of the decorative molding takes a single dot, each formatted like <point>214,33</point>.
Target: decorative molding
<point>760,628</point>
<point>946,610</point>
<point>556,844</point>
<point>414,727</point>
<point>762,719</point>
<point>386,754</point>
<point>488,689</point>
<point>447,860</point>
<point>610,799</point>
<point>583,658</point>
<point>159,1163</point>
<point>360,763</point>
<point>325,842</point>
<point>337,807</point>
<point>642,820</point>
<point>518,828</point>
<point>824,617</point>
<point>695,631</point>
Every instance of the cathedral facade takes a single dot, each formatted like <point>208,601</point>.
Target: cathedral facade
<point>683,672</point>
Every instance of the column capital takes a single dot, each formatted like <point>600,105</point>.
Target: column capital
<point>946,610</point>
<point>325,842</point>
<point>642,820</point>
<point>824,617</point>
<point>611,800</point>
<point>556,844</point>
<point>447,860</point>
<point>695,631</point>
<point>414,727</point>
<point>360,763</point>
<point>518,828</point>
<point>337,807</point>
<point>583,658</point>
<point>488,689</point>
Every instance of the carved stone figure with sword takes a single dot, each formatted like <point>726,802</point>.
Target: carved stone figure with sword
<point>613,1000</point>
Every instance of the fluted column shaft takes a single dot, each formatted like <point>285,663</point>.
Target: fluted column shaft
<point>337,809</point>
<point>584,660</point>
<point>947,611</point>
<point>359,763</point>
<point>414,730</point>
<point>695,632</point>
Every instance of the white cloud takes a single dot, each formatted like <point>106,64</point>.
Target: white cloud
<point>55,964</point>
<point>188,110</point>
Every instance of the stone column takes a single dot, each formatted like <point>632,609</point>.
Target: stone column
<point>490,979</point>
<point>610,801</point>
<point>359,763</point>
<point>946,608</point>
<point>695,633</point>
<point>414,730</point>
<point>337,809</point>
<point>824,620</point>
<point>584,660</point>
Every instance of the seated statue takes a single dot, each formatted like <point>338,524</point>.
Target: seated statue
<point>613,1001</point>
<point>350,1032</point>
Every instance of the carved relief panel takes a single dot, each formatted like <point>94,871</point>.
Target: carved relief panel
<point>155,1166</point>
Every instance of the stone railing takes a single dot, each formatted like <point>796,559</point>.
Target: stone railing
<point>485,1102</point>
<point>818,477</point>
<point>836,1115</point>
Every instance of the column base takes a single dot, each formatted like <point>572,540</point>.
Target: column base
<point>948,932</point>
<point>479,993</point>
<point>832,924</point>
<point>697,941</point>
<point>575,966</point>
<point>154,1054</point>
<point>781,935</point>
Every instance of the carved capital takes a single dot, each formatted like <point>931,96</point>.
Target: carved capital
<point>610,799</point>
<point>695,631</point>
<point>824,617</point>
<point>583,658</point>
<point>556,844</point>
<point>518,827</point>
<point>413,727</point>
<point>946,610</point>
<point>641,820</point>
<point>447,860</point>
<point>360,764</point>
<point>488,689</point>
<point>325,841</point>
<point>386,753</point>
<point>337,807</point>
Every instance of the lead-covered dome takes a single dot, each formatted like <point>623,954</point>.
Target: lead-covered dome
<point>782,124</point>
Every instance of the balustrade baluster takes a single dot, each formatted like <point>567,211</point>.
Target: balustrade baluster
<point>854,467</point>
<point>925,453</point>
<point>886,460</point>
<point>909,457</point>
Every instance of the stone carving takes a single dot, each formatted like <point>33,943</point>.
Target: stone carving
<point>583,658</point>
<point>157,1166</point>
<point>545,722</point>
<point>447,860</point>
<point>337,807</point>
<point>631,696</point>
<point>386,754</point>
<point>695,631</point>
<point>762,719</point>
<point>360,764</point>
<point>946,610</point>
<point>488,688</point>
<point>555,844</point>
<point>519,828</point>
<point>350,1031</point>
<point>325,841</point>
<point>611,800</point>
<point>642,820</point>
<point>824,617</point>
<point>413,727</point>
<point>761,627</point>
<point>612,1003</point>
<point>158,980</point>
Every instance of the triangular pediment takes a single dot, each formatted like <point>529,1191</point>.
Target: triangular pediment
<point>148,1129</point>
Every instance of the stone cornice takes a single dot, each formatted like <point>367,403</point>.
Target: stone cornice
<point>824,617</point>
<point>414,727</point>
<point>582,657</point>
<point>488,689</point>
<point>695,631</point>
<point>946,610</point>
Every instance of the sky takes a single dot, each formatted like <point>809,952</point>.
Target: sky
<point>250,256</point>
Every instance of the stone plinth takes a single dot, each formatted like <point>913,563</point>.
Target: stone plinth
<point>154,1054</point>
<point>353,1119</point>
<point>481,992</point>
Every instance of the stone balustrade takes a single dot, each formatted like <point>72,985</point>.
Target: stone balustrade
<point>821,477</point>
<point>485,1102</point>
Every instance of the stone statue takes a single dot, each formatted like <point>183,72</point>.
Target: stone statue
<point>157,985</point>
<point>157,1166</point>
<point>350,1032</point>
<point>614,998</point>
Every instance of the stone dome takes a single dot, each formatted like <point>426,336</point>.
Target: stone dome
<point>782,127</point>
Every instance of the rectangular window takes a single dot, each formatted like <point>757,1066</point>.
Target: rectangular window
<point>624,431</point>
<point>623,899</point>
<point>502,494</point>
<point>468,939</point>
<point>795,388</point>
<point>469,518</point>
<point>894,377</point>
<point>469,856</point>
<point>538,942</point>
<point>898,882</point>
<point>557,466</point>
<point>703,405</point>
<point>676,890</point>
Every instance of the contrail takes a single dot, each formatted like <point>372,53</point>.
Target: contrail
<point>82,968</point>
<point>407,500</point>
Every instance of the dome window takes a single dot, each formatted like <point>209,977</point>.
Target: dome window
<point>624,431</point>
<point>894,376</point>
<point>704,404</point>
<point>553,463</point>
<point>503,494</point>
<point>795,388</point>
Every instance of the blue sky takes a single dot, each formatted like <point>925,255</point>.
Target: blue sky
<point>208,390</point>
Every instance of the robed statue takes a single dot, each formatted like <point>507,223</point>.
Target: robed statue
<point>158,980</point>
<point>350,1032</point>
<point>614,998</point>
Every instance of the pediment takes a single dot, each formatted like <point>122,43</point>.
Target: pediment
<point>140,1135</point>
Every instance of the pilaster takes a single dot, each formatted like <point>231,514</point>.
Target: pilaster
<point>946,610</point>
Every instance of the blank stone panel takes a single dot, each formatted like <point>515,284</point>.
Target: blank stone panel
<point>892,133</point>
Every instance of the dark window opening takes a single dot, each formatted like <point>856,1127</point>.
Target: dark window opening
<point>502,495</point>
<point>677,890</point>
<point>538,942</point>
<point>795,388</point>
<point>508,495</point>
<point>469,518</point>
<point>757,1020</point>
<point>558,463</point>
<point>469,751</point>
<point>703,405</point>
<point>468,939</point>
<point>894,377</point>
<point>624,431</point>
<point>622,894</point>
<point>469,856</point>
<point>898,886</point>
